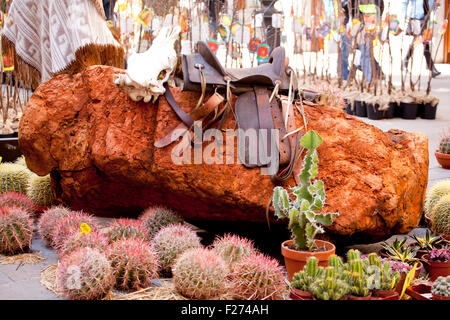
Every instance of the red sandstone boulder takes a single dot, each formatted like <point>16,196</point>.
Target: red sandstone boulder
<point>98,145</point>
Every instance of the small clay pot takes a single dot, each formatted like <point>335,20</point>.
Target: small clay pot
<point>435,268</point>
<point>409,110</point>
<point>360,108</point>
<point>428,111</point>
<point>352,297</point>
<point>296,260</point>
<point>301,295</point>
<point>443,159</point>
<point>373,111</point>
<point>399,286</point>
<point>384,295</point>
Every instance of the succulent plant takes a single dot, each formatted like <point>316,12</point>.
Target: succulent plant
<point>155,218</point>
<point>40,190</point>
<point>304,220</point>
<point>440,189</point>
<point>444,144</point>
<point>440,219</point>
<point>399,251</point>
<point>428,242</point>
<point>441,255</point>
<point>71,224</point>
<point>76,240</point>
<point>48,220</point>
<point>302,280</point>
<point>381,275</point>
<point>134,262</point>
<point>233,248</point>
<point>85,274</point>
<point>200,273</point>
<point>399,266</point>
<point>257,277</point>
<point>330,286</point>
<point>171,241</point>
<point>125,228</point>
<point>13,177</point>
<point>15,199</point>
<point>16,230</point>
<point>441,287</point>
<point>357,278</point>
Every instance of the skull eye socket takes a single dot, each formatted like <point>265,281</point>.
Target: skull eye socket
<point>162,74</point>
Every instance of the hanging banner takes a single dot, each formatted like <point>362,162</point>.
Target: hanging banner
<point>263,53</point>
<point>213,44</point>
<point>145,17</point>
<point>254,43</point>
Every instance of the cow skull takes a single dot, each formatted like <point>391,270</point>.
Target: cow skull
<point>148,71</point>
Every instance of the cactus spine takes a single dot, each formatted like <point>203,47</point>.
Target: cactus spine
<point>155,218</point>
<point>15,199</point>
<point>48,221</point>
<point>440,189</point>
<point>71,224</point>
<point>13,177</point>
<point>330,287</point>
<point>40,190</point>
<point>444,144</point>
<point>233,248</point>
<point>76,240</point>
<point>16,230</point>
<point>126,229</point>
<point>440,220</point>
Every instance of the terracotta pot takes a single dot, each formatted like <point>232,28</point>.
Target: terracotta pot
<point>399,286</point>
<point>296,260</point>
<point>444,236</point>
<point>384,295</point>
<point>443,159</point>
<point>436,268</point>
<point>437,297</point>
<point>301,295</point>
<point>352,297</point>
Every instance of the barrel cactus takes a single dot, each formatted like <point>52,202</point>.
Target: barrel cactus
<point>76,240</point>
<point>440,221</point>
<point>257,277</point>
<point>441,287</point>
<point>15,199</point>
<point>233,248</point>
<point>13,177</point>
<point>21,161</point>
<point>171,241</point>
<point>48,221</point>
<point>125,229</point>
<point>440,189</point>
<point>40,190</point>
<point>155,218</point>
<point>71,224</point>
<point>444,144</point>
<point>16,230</point>
<point>200,273</point>
<point>85,274</point>
<point>134,262</point>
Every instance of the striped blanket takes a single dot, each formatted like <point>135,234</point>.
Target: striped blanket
<point>54,36</point>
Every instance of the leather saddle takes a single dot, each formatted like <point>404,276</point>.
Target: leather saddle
<point>257,108</point>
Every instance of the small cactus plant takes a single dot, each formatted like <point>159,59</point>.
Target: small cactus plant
<point>85,274</point>
<point>257,277</point>
<point>380,274</point>
<point>48,220</point>
<point>440,221</point>
<point>16,230</point>
<point>233,248</point>
<point>302,280</point>
<point>40,190</point>
<point>71,224</point>
<point>171,241</point>
<point>134,263</point>
<point>200,273</point>
<point>330,286</point>
<point>76,240</point>
<point>15,199</point>
<point>441,287</point>
<point>304,220</point>
<point>126,229</point>
<point>444,143</point>
<point>440,189</point>
<point>13,177</point>
<point>155,218</point>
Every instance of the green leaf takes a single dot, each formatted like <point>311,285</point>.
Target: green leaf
<point>280,201</point>
<point>311,140</point>
<point>326,219</point>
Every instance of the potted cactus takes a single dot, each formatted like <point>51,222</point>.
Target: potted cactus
<point>443,152</point>
<point>382,279</point>
<point>440,289</point>
<point>331,286</point>
<point>437,263</point>
<point>302,280</point>
<point>356,277</point>
<point>440,217</point>
<point>426,244</point>
<point>303,212</point>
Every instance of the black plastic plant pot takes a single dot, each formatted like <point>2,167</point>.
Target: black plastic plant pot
<point>360,108</point>
<point>428,111</point>
<point>373,111</point>
<point>9,149</point>
<point>389,113</point>
<point>409,110</point>
<point>397,110</point>
<point>348,107</point>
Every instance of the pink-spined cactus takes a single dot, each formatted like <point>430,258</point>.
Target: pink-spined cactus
<point>15,199</point>
<point>233,248</point>
<point>76,240</point>
<point>155,218</point>
<point>48,221</point>
<point>16,230</point>
<point>126,229</point>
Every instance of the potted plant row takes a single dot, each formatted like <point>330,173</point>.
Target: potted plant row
<point>303,212</point>
<point>437,263</point>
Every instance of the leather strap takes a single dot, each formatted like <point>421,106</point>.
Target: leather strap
<point>176,108</point>
<point>284,147</point>
<point>265,120</point>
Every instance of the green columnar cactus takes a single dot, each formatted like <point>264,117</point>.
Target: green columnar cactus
<point>440,189</point>
<point>40,190</point>
<point>302,280</point>
<point>440,221</point>
<point>330,287</point>
<point>304,221</point>
<point>444,145</point>
<point>353,255</point>
<point>13,177</point>
<point>380,274</point>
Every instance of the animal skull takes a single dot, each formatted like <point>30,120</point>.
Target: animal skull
<point>148,71</point>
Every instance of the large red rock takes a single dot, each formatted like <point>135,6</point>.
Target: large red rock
<point>98,145</point>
